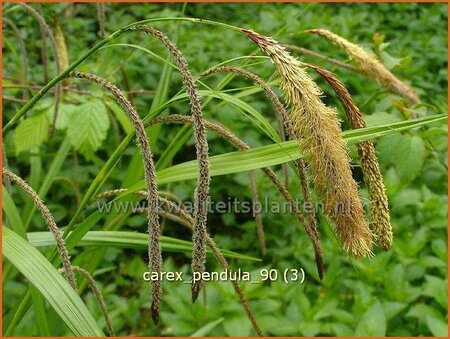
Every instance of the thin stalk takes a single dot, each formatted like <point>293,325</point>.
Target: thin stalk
<point>43,24</point>
<point>187,220</point>
<point>280,111</point>
<point>5,164</point>
<point>154,251</point>
<point>98,295</point>
<point>258,214</point>
<point>320,56</point>
<point>101,18</point>
<point>43,46</point>
<point>23,54</point>
<point>241,145</point>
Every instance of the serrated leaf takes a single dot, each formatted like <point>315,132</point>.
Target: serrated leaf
<point>87,128</point>
<point>436,288</point>
<point>237,326</point>
<point>437,326</point>
<point>31,132</point>
<point>410,157</point>
<point>66,111</point>
<point>389,61</point>
<point>373,322</point>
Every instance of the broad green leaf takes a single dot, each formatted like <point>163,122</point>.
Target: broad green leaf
<point>55,289</point>
<point>237,326</point>
<point>373,322</point>
<point>437,326</point>
<point>203,331</point>
<point>410,157</point>
<point>88,127</point>
<point>436,288</point>
<point>380,118</point>
<point>124,239</point>
<point>31,132</point>
<point>66,111</point>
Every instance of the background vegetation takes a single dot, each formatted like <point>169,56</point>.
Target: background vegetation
<point>401,292</point>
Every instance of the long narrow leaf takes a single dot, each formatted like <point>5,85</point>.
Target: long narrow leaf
<point>55,289</point>
<point>275,154</point>
<point>124,239</point>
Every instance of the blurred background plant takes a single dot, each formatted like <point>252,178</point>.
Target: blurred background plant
<point>401,292</point>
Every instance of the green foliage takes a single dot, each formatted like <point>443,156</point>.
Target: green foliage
<point>31,132</point>
<point>400,292</point>
<point>87,126</point>
<point>56,290</point>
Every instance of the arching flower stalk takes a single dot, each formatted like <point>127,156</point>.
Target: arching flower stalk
<point>49,219</point>
<point>380,219</point>
<point>280,111</point>
<point>154,250</point>
<point>187,220</point>
<point>241,145</point>
<point>98,295</point>
<point>320,140</point>
<point>201,145</point>
<point>370,65</point>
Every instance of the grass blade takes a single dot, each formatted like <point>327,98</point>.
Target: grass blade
<point>275,154</point>
<point>125,239</point>
<point>55,289</point>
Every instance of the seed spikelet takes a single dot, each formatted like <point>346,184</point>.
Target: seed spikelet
<point>369,65</point>
<point>380,219</point>
<point>321,142</point>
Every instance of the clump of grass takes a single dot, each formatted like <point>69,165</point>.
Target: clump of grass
<point>48,32</point>
<point>187,220</point>
<point>325,151</point>
<point>380,219</point>
<point>98,295</point>
<point>154,251</point>
<point>48,217</point>
<point>369,65</point>
<point>203,180</point>
<point>241,145</point>
<point>101,18</point>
